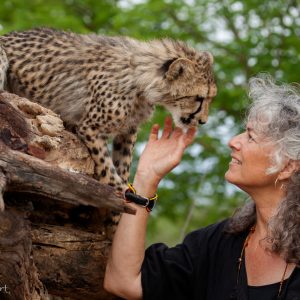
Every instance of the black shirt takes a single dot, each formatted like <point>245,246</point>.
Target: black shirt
<point>203,267</point>
<point>264,292</point>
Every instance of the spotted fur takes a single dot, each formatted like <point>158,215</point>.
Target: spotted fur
<point>107,86</point>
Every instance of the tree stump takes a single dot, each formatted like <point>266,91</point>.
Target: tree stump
<point>55,219</point>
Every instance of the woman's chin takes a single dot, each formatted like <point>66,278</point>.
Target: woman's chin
<point>228,177</point>
<point>232,179</point>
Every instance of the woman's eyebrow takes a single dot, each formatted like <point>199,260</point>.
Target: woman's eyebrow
<point>251,131</point>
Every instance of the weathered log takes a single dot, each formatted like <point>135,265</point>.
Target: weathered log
<point>23,173</point>
<point>26,173</point>
<point>55,231</point>
<point>68,248</point>
<point>32,129</point>
<point>19,278</point>
<point>72,263</point>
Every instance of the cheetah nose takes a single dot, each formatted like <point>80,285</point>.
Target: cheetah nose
<point>200,122</point>
<point>185,120</point>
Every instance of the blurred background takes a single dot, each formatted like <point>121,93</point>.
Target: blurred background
<point>246,37</point>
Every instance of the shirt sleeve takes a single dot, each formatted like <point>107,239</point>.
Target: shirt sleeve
<point>173,273</point>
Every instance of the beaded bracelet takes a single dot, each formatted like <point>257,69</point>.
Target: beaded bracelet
<point>131,196</point>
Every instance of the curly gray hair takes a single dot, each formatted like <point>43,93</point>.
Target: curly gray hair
<point>275,114</point>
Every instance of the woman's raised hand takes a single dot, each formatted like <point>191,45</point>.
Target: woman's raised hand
<point>163,154</point>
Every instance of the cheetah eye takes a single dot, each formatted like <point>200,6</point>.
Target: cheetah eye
<point>199,99</point>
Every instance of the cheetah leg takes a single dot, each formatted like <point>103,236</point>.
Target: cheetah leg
<point>3,67</point>
<point>122,153</point>
<point>104,169</point>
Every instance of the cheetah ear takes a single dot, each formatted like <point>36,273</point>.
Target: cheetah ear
<point>180,68</point>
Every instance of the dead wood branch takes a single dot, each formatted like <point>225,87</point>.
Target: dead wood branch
<point>24,173</point>
<point>56,229</point>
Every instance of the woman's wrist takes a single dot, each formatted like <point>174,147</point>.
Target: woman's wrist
<point>144,185</point>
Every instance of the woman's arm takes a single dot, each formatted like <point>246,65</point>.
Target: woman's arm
<point>161,155</point>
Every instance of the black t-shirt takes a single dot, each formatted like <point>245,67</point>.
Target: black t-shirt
<point>203,267</point>
<point>265,292</point>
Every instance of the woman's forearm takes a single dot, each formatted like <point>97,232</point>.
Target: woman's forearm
<point>160,156</point>
<point>123,276</point>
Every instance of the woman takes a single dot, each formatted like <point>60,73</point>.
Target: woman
<point>254,254</point>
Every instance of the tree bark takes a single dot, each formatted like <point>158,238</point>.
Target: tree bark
<point>56,221</point>
<point>19,278</point>
<point>22,173</point>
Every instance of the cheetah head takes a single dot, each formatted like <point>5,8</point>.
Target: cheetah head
<point>189,88</point>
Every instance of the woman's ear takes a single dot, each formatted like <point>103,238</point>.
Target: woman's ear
<point>288,170</point>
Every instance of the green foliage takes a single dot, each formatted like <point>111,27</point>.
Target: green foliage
<point>246,37</point>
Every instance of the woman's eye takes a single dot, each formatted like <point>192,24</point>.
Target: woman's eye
<point>250,138</point>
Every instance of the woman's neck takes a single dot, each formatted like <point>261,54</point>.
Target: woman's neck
<point>267,203</point>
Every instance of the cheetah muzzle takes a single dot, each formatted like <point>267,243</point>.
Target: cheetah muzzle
<point>107,86</point>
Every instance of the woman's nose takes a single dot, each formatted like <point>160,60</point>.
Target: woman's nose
<point>235,142</point>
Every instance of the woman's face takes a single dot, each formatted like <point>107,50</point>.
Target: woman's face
<point>250,160</point>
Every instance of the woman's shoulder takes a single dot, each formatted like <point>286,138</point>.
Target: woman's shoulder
<point>209,231</point>
<point>214,234</point>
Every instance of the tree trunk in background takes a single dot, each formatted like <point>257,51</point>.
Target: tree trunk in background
<point>56,223</point>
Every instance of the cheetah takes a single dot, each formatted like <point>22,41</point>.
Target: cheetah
<point>105,87</point>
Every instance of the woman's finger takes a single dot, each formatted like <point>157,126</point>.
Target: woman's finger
<point>154,133</point>
<point>177,132</point>
<point>167,128</point>
<point>189,136</point>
